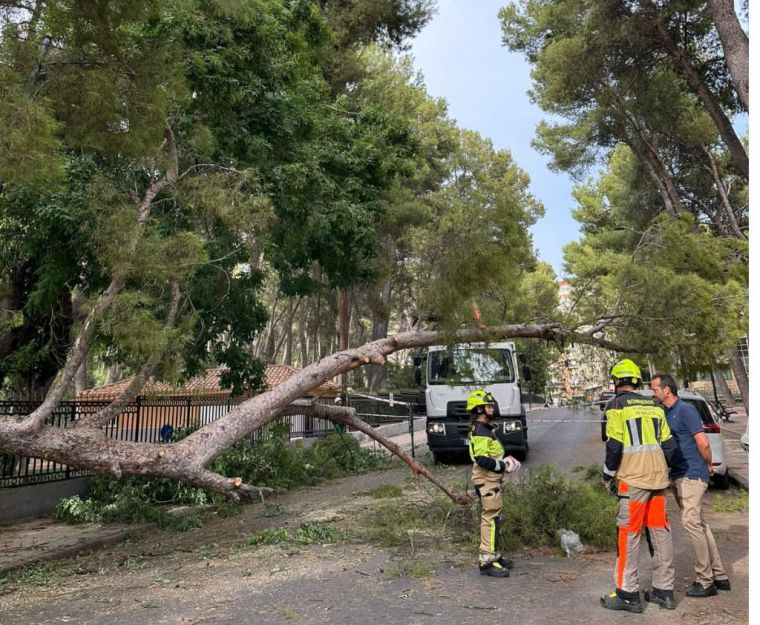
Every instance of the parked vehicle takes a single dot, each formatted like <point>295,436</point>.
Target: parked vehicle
<point>601,401</point>
<point>451,374</point>
<point>710,426</point>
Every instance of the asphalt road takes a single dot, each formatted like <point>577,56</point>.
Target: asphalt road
<point>212,576</point>
<point>565,437</point>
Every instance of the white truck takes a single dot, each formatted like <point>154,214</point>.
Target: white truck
<point>452,373</point>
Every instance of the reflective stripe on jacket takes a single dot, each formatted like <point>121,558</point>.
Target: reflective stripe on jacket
<point>485,448</point>
<point>639,441</point>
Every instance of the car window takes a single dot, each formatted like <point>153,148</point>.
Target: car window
<point>702,408</point>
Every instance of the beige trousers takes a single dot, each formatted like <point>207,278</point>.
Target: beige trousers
<point>689,494</point>
<point>488,488</point>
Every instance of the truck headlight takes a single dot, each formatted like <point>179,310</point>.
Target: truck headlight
<point>436,428</point>
<point>512,426</point>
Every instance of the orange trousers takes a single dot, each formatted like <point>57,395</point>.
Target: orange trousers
<point>642,510</point>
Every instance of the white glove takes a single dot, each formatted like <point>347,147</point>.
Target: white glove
<point>511,465</point>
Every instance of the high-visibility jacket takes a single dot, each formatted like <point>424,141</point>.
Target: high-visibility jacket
<point>485,447</point>
<point>639,443</point>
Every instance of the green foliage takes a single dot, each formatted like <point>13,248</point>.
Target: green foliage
<point>415,570</point>
<point>734,502</point>
<point>477,245</point>
<point>543,501</point>
<point>271,463</point>
<point>427,522</point>
<point>385,491</point>
<point>275,155</point>
<point>307,534</point>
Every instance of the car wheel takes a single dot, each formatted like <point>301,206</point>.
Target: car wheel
<point>721,481</point>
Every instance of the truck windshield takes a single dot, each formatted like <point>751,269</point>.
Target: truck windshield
<point>473,366</point>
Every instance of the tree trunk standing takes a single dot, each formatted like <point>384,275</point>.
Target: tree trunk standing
<point>723,124</point>
<point>114,374</point>
<point>740,375</point>
<point>735,45</point>
<point>80,379</point>
<point>377,376</point>
<point>343,328</point>
<point>723,196</point>
<point>644,157</point>
<point>721,383</point>
<point>287,358</point>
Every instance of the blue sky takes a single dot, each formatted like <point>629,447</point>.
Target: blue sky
<point>461,57</point>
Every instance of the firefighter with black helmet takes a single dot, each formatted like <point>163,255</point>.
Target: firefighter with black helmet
<point>638,451</point>
<point>489,466</point>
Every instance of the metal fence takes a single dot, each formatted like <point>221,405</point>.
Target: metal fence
<point>146,420</point>
<point>160,419</point>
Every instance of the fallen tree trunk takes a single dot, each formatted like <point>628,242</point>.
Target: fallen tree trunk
<point>187,460</point>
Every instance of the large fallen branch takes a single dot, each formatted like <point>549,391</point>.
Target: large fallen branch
<point>347,416</point>
<point>187,460</point>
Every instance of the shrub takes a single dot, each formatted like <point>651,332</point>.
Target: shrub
<point>543,501</point>
<point>271,463</point>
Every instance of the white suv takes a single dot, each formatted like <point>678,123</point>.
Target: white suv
<point>711,427</point>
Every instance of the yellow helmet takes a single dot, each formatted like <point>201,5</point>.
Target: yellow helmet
<point>479,398</point>
<point>626,369</point>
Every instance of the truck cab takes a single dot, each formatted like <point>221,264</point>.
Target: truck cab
<point>451,374</point>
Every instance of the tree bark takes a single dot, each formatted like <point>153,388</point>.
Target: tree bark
<point>720,381</point>
<point>287,358</point>
<point>344,322</point>
<point>376,375</point>
<point>723,124</point>
<point>740,375</point>
<point>646,162</point>
<point>723,196</point>
<point>735,45</point>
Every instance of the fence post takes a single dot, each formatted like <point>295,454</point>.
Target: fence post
<point>187,415</point>
<point>136,433</point>
<point>411,426</point>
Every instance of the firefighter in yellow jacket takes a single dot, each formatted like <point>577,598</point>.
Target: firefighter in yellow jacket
<point>639,448</point>
<point>489,465</point>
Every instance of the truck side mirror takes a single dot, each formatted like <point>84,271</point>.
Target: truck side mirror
<point>523,360</point>
<point>526,373</point>
<point>417,376</point>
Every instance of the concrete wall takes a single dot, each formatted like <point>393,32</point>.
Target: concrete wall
<point>37,499</point>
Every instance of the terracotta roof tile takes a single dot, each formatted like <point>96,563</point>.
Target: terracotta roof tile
<point>208,383</point>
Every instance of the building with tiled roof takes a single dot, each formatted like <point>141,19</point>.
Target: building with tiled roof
<point>207,385</point>
<point>162,407</point>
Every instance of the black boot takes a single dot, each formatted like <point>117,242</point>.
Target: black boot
<point>508,564</point>
<point>621,600</point>
<point>698,590</point>
<point>494,569</point>
<point>720,584</point>
<point>663,598</point>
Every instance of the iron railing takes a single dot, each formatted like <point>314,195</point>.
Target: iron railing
<point>160,419</point>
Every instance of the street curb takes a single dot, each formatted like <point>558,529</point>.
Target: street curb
<point>59,553</point>
<point>738,479</point>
